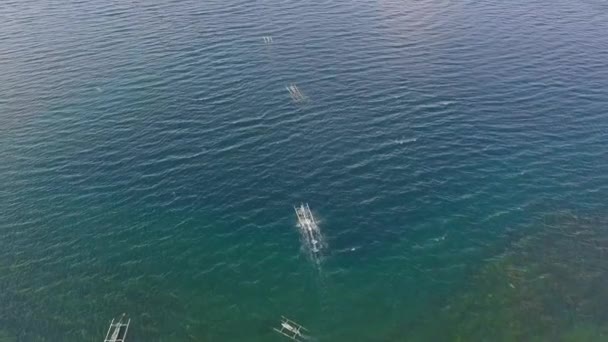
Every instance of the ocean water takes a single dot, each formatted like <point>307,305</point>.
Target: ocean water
<point>455,154</point>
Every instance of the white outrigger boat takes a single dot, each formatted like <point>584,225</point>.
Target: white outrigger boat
<point>292,330</point>
<point>117,332</point>
<point>295,93</point>
<point>309,228</point>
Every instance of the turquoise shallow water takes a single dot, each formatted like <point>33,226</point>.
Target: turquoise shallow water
<point>150,156</point>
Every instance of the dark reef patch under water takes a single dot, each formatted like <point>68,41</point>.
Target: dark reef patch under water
<point>548,286</point>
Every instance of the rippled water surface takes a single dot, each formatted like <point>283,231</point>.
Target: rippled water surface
<point>455,154</point>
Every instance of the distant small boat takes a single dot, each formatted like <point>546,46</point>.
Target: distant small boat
<point>295,93</point>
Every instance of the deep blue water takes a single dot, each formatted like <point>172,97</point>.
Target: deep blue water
<point>150,157</point>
